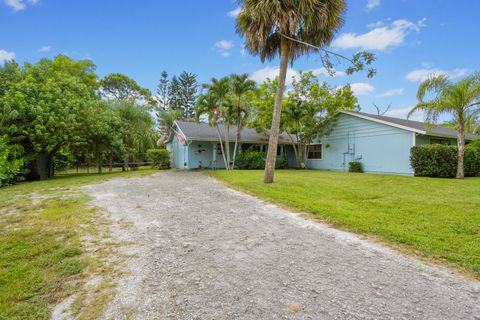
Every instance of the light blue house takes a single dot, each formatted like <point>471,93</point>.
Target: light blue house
<point>382,144</point>
<point>196,145</point>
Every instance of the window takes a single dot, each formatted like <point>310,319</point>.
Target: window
<point>315,151</point>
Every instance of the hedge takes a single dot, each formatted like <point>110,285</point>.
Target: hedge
<point>440,161</point>
<point>160,158</point>
<point>254,160</point>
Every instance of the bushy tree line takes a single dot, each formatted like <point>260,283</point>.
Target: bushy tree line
<point>58,113</point>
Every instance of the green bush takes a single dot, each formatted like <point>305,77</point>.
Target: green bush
<point>12,163</point>
<point>160,158</point>
<point>281,162</point>
<point>355,166</point>
<point>437,160</point>
<point>250,160</point>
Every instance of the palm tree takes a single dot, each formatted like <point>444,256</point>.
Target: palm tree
<point>240,86</point>
<point>461,98</point>
<point>215,104</point>
<point>288,28</point>
<point>166,119</point>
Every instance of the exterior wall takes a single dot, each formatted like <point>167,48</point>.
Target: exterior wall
<point>381,148</point>
<point>179,153</point>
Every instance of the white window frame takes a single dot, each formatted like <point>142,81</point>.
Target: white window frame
<point>321,148</point>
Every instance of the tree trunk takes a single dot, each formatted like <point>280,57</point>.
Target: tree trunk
<point>237,140</point>
<point>461,149</point>
<point>221,147</point>
<point>275,130</point>
<point>227,144</point>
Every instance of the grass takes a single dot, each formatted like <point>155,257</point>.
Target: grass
<point>42,255</point>
<point>436,219</point>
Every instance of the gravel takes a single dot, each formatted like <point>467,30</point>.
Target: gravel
<point>198,250</point>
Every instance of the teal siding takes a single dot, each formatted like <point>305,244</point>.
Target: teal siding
<point>179,154</point>
<point>381,148</point>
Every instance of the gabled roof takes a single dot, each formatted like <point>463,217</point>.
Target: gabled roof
<point>204,132</point>
<point>410,125</point>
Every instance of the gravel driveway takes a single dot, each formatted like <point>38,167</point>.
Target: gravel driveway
<point>203,251</point>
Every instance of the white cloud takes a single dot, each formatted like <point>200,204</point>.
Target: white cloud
<point>379,38</point>
<point>45,48</point>
<point>372,4</point>
<point>235,12</point>
<point>362,88</point>
<point>224,47</point>
<point>324,72</point>
<point>422,74</point>
<point>271,73</point>
<point>403,113</point>
<point>18,5</point>
<point>6,56</point>
<point>393,92</point>
<point>243,52</point>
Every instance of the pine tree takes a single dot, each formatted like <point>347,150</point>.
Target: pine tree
<point>188,93</point>
<point>174,94</point>
<point>163,91</point>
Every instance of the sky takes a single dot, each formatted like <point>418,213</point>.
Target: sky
<point>411,40</point>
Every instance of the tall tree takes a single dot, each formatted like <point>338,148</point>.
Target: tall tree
<point>188,93</point>
<point>308,112</point>
<point>174,101</point>
<point>121,87</point>
<point>216,105</point>
<point>41,109</point>
<point>162,91</point>
<point>136,126</point>
<point>291,28</point>
<point>101,132</point>
<point>462,99</point>
<point>241,89</point>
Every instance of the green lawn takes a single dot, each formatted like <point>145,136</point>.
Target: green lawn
<point>432,218</point>
<point>42,260</point>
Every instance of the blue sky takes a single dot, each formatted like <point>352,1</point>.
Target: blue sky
<point>141,38</point>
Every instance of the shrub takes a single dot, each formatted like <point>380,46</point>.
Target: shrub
<point>355,166</point>
<point>436,160</point>
<point>12,163</point>
<point>472,161</point>
<point>250,160</point>
<point>281,162</point>
<point>160,158</point>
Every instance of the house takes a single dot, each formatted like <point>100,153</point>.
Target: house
<point>382,144</point>
<point>196,145</point>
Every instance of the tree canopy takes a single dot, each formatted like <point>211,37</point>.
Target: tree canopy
<point>53,115</point>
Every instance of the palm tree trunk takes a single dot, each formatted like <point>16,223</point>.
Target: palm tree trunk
<point>221,147</point>
<point>237,140</point>
<point>461,149</point>
<point>227,144</point>
<point>275,130</point>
